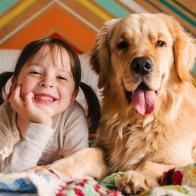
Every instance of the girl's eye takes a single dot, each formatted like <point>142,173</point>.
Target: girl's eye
<point>35,73</point>
<point>61,78</point>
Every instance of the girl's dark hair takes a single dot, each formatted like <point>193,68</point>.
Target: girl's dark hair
<point>31,49</point>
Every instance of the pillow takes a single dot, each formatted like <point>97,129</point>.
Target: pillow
<point>89,77</point>
<point>8,59</point>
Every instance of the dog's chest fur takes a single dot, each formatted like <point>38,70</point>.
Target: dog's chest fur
<point>128,143</point>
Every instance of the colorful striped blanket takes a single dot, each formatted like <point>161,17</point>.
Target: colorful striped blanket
<point>179,181</point>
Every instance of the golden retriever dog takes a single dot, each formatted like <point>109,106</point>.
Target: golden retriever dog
<point>148,121</point>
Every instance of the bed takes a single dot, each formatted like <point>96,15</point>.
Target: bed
<point>180,181</point>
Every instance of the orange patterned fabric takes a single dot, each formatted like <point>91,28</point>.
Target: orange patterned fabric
<point>78,21</point>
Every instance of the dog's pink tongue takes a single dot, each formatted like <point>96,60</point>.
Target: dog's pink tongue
<point>144,101</point>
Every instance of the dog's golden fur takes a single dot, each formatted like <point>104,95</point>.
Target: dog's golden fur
<point>128,136</point>
<point>145,145</point>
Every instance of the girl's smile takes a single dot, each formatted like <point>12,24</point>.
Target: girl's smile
<point>44,98</point>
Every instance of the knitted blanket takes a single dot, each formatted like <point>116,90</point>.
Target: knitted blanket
<point>179,181</point>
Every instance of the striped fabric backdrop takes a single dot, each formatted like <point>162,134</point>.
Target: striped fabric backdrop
<point>77,21</point>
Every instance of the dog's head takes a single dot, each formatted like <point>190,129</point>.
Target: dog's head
<point>138,56</point>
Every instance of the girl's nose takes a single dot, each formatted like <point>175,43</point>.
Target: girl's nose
<point>47,82</point>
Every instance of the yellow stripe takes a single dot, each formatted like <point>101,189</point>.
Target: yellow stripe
<point>16,11</point>
<point>95,9</point>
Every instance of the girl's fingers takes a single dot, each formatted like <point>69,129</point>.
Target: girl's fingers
<point>29,100</point>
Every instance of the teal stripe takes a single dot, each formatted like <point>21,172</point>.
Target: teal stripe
<point>6,5</point>
<point>185,8</point>
<point>186,18</point>
<point>114,8</point>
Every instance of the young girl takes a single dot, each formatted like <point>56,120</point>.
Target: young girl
<point>40,121</point>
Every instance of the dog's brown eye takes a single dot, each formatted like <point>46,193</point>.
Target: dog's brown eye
<point>122,45</point>
<point>161,43</point>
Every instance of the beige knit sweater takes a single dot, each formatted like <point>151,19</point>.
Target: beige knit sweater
<point>42,144</point>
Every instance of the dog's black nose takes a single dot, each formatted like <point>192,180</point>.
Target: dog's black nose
<point>142,65</point>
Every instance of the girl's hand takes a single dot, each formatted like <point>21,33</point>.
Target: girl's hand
<point>26,109</point>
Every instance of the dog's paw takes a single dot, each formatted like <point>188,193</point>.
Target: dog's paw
<point>134,182</point>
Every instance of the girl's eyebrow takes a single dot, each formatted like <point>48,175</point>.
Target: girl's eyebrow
<point>66,72</point>
<point>60,70</point>
<point>37,64</point>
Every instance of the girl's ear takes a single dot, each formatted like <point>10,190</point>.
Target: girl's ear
<point>74,95</point>
<point>13,83</point>
<point>12,86</point>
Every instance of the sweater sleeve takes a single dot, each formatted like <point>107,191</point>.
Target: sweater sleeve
<point>76,131</point>
<point>26,152</point>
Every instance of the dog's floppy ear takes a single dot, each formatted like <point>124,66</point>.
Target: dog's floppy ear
<point>184,51</point>
<point>100,53</point>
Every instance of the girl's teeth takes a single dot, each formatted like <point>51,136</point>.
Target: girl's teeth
<point>44,98</point>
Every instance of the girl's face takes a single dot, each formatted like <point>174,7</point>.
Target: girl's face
<point>49,77</point>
